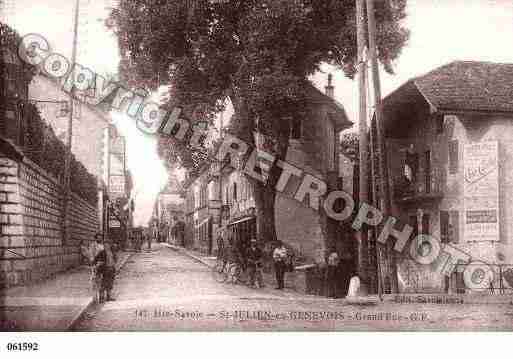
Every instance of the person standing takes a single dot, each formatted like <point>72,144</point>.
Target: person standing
<point>280,258</point>
<point>220,246</point>
<point>110,270</point>
<point>333,262</point>
<point>149,235</point>
<point>105,263</point>
<point>254,257</point>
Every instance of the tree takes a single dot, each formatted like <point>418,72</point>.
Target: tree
<point>256,53</point>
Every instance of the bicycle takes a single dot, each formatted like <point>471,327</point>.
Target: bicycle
<point>227,272</point>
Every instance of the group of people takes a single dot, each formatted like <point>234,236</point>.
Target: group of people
<point>251,260</point>
<point>139,236</point>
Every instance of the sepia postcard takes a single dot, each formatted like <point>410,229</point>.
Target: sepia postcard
<point>255,165</point>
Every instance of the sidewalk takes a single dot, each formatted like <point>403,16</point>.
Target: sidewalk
<point>54,304</point>
<point>483,298</point>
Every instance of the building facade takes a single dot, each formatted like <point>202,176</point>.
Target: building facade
<point>169,210</point>
<point>223,197</point>
<point>450,158</point>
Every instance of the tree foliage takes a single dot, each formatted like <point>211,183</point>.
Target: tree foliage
<point>256,52</point>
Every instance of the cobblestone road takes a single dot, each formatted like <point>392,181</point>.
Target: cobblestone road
<point>165,290</point>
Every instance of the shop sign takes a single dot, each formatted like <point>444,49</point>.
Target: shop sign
<point>114,223</point>
<point>117,184</point>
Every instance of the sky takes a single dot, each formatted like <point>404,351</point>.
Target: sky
<point>441,31</point>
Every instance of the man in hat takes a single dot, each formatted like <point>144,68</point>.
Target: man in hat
<point>254,258</point>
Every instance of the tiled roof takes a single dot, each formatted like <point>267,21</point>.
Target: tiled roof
<point>469,86</point>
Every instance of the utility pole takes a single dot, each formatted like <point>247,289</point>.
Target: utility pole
<point>384,184</point>
<point>362,237</point>
<point>220,174</point>
<point>67,162</point>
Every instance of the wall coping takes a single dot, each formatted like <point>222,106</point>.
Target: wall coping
<point>34,166</point>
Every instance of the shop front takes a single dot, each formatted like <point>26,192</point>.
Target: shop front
<point>241,227</point>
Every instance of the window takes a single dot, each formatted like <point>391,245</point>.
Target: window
<point>449,226</point>
<point>425,224</point>
<point>444,227</point>
<point>295,128</point>
<point>63,109</point>
<point>235,191</point>
<point>411,165</point>
<point>10,79</point>
<point>204,197</point>
<point>330,145</point>
<point>439,123</point>
<point>427,159</point>
<point>413,223</point>
<point>453,157</point>
<point>454,226</point>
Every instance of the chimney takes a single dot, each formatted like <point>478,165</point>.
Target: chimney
<point>330,90</point>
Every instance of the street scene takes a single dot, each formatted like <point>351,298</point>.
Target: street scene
<point>167,290</point>
<point>277,165</point>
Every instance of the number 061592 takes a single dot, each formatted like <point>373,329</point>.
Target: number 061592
<point>22,346</point>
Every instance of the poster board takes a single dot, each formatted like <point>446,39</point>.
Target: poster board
<point>481,191</point>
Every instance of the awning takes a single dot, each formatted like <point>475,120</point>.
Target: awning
<point>243,219</point>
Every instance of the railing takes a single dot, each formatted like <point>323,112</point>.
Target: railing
<point>425,186</point>
<point>495,279</point>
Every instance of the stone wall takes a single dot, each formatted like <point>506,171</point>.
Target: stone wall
<point>31,244</point>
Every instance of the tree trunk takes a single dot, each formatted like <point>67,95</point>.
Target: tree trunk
<point>265,197</point>
<point>263,193</point>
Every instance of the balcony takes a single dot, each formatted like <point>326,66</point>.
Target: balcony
<point>424,188</point>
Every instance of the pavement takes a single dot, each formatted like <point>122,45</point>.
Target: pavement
<point>54,304</point>
<point>209,261</point>
<point>167,289</point>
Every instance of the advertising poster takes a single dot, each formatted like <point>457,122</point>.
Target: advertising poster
<point>481,191</point>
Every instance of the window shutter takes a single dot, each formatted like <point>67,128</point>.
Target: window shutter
<point>455,227</point>
<point>439,122</point>
<point>427,171</point>
<point>425,224</point>
<point>453,157</point>
<point>414,225</point>
<point>444,227</point>
<point>295,127</point>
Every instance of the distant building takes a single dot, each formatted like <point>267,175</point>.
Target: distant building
<point>450,159</point>
<point>170,207</point>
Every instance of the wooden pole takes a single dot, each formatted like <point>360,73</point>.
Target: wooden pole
<point>384,184</point>
<point>68,158</point>
<point>363,141</point>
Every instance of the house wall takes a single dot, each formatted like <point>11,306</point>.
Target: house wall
<point>466,129</point>
<point>298,225</point>
<point>197,213</point>
<point>87,142</point>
